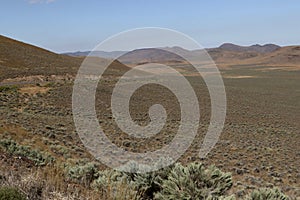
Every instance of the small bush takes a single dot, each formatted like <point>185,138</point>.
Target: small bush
<point>60,150</point>
<point>115,185</point>
<point>232,197</point>
<point>50,84</point>
<point>108,176</point>
<point>85,174</point>
<point>145,185</point>
<point>8,88</point>
<point>267,194</point>
<point>36,156</point>
<point>194,182</point>
<point>174,182</point>
<point>10,193</point>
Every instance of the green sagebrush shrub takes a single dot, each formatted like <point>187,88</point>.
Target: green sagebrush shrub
<point>85,174</point>
<point>36,156</point>
<point>144,184</point>
<point>8,88</point>
<point>115,185</point>
<point>194,182</point>
<point>10,193</point>
<point>267,194</point>
<point>174,182</point>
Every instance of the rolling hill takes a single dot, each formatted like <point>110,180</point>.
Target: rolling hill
<point>21,59</point>
<point>225,55</point>
<point>18,59</point>
<point>267,48</point>
<point>102,54</point>
<point>285,56</point>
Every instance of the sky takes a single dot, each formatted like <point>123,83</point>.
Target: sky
<point>79,25</point>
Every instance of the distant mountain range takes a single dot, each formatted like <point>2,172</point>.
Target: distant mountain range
<point>267,48</point>
<point>225,55</point>
<point>226,46</point>
<point>102,54</point>
<point>21,59</point>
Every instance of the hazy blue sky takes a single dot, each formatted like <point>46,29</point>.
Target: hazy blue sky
<point>70,25</point>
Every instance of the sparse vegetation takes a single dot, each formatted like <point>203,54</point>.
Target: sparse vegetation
<point>145,185</point>
<point>258,145</point>
<point>10,193</point>
<point>83,174</point>
<point>194,182</point>
<point>114,185</point>
<point>8,88</point>
<point>267,194</point>
<point>60,150</point>
<point>36,156</point>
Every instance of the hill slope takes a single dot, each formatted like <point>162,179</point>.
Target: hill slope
<point>18,59</point>
<point>285,56</point>
<point>267,48</point>
<point>102,54</point>
<point>21,59</point>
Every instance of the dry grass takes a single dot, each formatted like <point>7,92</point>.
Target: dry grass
<point>118,191</point>
<point>46,183</point>
<point>49,183</point>
<point>33,90</point>
<point>226,76</point>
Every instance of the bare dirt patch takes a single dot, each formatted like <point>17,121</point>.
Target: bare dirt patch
<point>292,68</point>
<point>34,90</point>
<point>37,78</point>
<point>227,76</point>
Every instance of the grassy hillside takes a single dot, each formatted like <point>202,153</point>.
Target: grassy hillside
<point>20,59</point>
